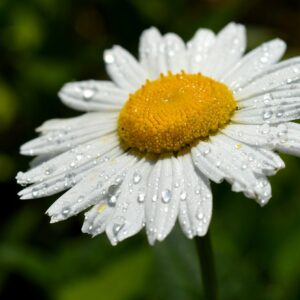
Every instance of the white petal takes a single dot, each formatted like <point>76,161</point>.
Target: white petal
<point>220,159</point>
<point>100,183</point>
<point>288,138</point>
<point>256,135</point>
<point>92,95</point>
<point>227,50</point>
<point>129,214</point>
<point>97,218</point>
<point>244,167</point>
<point>172,55</point>
<point>65,139</point>
<point>66,170</point>
<point>149,50</point>
<point>204,163</point>
<point>83,121</point>
<point>198,49</point>
<point>254,63</point>
<point>278,111</point>
<point>72,158</point>
<point>41,159</point>
<point>257,159</point>
<point>162,200</point>
<point>279,75</point>
<point>124,69</point>
<point>196,200</point>
<point>277,97</point>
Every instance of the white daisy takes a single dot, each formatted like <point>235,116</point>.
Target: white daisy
<point>166,124</point>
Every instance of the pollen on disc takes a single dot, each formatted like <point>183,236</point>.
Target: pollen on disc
<point>170,113</point>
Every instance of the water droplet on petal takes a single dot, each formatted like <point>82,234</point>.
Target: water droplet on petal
<point>136,178</point>
<point>183,195</point>
<point>88,94</point>
<point>206,150</point>
<point>267,114</point>
<point>112,200</point>
<point>279,113</point>
<point>66,211</point>
<point>250,157</point>
<point>141,197</point>
<point>265,128</point>
<point>264,59</point>
<point>117,228</point>
<point>80,199</point>
<point>35,192</point>
<point>166,196</point>
<point>49,170</point>
<point>296,70</point>
<point>108,57</point>
<point>199,215</point>
<point>197,191</point>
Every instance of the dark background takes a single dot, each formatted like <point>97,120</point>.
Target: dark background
<point>45,43</point>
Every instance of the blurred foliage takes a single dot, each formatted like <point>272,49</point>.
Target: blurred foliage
<point>45,43</point>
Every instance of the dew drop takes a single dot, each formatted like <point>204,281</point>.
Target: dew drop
<point>117,228</point>
<point>35,192</point>
<point>80,199</point>
<point>79,157</point>
<point>112,200</point>
<point>118,179</point>
<point>265,128</point>
<point>267,115</point>
<point>250,157</point>
<point>296,70</point>
<point>49,170</point>
<point>183,195</point>
<point>199,215</point>
<point>244,166</point>
<point>136,178</point>
<point>264,59</point>
<point>171,53</point>
<point>88,94</point>
<point>267,98</point>
<point>279,113</point>
<point>141,197</point>
<point>66,211</point>
<point>112,189</point>
<point>197,191</point>
<point>206,150</point>
<point>166,196</point>
<point>109,58</point>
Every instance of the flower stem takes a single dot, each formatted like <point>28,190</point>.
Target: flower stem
<point>207,265</point>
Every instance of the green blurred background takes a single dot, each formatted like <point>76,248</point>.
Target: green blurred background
<point>45,43</point>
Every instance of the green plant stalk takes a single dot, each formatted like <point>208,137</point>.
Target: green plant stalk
<point>207,266</point>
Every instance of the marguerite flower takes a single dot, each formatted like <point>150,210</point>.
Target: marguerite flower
<point>164,126</point>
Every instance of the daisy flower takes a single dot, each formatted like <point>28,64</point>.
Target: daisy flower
<point>167,124</point>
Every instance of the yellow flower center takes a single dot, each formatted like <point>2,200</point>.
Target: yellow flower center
<point>170,113</point>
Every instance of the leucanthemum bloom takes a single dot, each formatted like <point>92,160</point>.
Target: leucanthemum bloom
<point>164,126</point>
